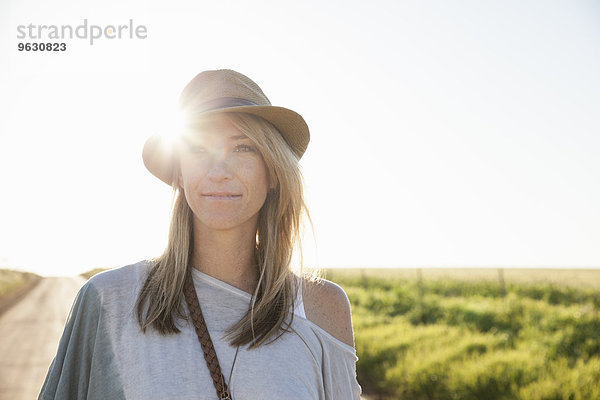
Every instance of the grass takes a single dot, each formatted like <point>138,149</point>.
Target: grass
<point>90,273</point>
<point>11,281</point>
<point>463,334</point>
<point>577,278</point>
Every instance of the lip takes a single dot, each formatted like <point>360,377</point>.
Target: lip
<point>221,196</point>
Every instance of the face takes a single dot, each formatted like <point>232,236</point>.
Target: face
<point>224,176</point>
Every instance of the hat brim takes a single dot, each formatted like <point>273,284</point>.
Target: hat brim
<point>158,152</point>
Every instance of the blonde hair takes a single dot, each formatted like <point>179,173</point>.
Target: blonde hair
<point>278,231</point>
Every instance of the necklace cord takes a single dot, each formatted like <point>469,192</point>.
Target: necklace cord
<point>208,349</point>
<point>233,365</point>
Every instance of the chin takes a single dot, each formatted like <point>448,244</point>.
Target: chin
<point>225,224</point>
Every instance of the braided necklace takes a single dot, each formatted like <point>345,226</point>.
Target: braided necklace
<point>208,349</point>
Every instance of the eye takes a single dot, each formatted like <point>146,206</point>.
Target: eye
<point>193,146</point>
<point>244,148</point>
<point>196,149</point>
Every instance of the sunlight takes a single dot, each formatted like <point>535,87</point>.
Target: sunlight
<point>170,125</point>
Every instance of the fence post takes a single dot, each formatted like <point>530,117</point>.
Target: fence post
<point>501,281</point>
<point>363,278</point>
<point>420,284</point>
<point>421,294</point>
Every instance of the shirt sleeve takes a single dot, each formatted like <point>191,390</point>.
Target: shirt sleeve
<point>339,371</point>
<point>84,366</point>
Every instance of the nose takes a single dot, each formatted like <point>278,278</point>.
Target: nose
<point>218,167</point>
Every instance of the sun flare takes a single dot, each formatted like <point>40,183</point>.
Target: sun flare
<point>170,125</point>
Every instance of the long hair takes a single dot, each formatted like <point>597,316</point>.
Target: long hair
<point>278,231</point>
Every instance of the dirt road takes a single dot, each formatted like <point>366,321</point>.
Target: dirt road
<point>29,334</point>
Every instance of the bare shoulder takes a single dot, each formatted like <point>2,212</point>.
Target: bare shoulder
<point>326,305</point>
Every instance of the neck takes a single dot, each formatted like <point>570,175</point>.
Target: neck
<point>227,255</point>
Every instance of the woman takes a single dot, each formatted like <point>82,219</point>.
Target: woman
<point>224,278</point>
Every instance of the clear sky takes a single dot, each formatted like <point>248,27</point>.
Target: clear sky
<point>443,133</point>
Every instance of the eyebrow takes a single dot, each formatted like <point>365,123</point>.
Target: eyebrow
<point>189,140</point>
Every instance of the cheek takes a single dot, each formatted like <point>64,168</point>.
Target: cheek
<point>184,180</point>
<point>261,176</point>
<point>252,171</point>
<point>190,172</point>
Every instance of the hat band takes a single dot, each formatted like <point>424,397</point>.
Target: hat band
<point>225,102</point>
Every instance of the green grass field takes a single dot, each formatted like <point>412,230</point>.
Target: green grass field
<point>463,334</point>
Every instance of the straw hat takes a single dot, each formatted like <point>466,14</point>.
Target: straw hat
<point>212,92</point>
